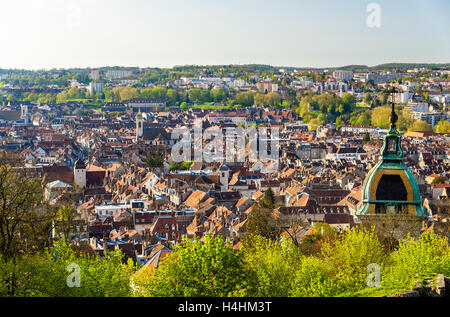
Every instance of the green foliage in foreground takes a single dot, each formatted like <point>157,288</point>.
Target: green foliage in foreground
<point>267,268</point>
<point>47,275</point>
<point>262,267</point>
<point>211,268</point>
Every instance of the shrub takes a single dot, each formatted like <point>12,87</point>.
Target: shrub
<point>422,257</point>
<point>212,268</point>
<point>46,274</point>
<point>313,279</point>
<point>348,256</point>
<point>271,265</point>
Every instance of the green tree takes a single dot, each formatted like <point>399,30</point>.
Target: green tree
<point>420,126</point>
<point>367,99</point>
<point>152,161</point>
<point>46,275</point>
<point>380,117</point>
<point>25,220</point>
<point>363,119</point>
<point>125,93</point>
<point>383,97</point>
<point>184,106</point>
<point>304,107</point>
<point>246,99</point>
<point>417,258</point>
<point>64,221</point>
<point>261,222</point>
<point>61,97</point>
<point>313,279</point>
<point>273,99</point>
<point>180,166</point>
<point>271,266</point>
<point>319,232</point>
<point>269,199</point>
<point>172,97</point>
<point>220,95</point>
<point>405,119</point>
<point>349,102</point>
<point>259,99</point>
<point>314,124</point>
<point>442,126</point>
<point>348,256</point>
<point>209,268</point>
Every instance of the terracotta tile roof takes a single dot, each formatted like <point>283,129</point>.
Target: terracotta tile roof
<point>302,201</point>
<point>194,199</point>
<point>258,195</point>
<point>93,168</point>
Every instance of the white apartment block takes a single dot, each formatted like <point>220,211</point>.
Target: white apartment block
<point>118,73</point>
<point>343,75</point>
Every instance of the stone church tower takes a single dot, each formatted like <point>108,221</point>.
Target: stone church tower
<point>139,125</point>
<point>79,174</point>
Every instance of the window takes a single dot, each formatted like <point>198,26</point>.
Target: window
<point>392,145</point>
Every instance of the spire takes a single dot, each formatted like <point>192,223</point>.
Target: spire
<point>392,150</point>
<point>394,116</point>
<point>139,112</point>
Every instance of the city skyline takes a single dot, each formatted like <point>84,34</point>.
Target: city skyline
<point>51,34</point>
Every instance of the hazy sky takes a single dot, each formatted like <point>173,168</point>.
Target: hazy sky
<point>318,33</point>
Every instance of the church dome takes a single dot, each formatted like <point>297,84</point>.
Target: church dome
<point>390,188</point>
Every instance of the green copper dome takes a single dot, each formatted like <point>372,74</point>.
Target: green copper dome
<point>390,187</point>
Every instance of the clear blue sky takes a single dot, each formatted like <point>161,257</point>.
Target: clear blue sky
<point>317,33</point>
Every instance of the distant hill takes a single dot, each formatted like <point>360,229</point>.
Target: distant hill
<point>406,66</point>
<point>245,68</point>
<point>392,66</point>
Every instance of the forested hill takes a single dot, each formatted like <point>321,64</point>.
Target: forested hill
<point>246,68</point>
<point>392,67</point>
<point>406,66</point>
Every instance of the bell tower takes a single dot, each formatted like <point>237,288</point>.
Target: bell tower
<point>224,174</point>
<point>139,125</point>
<point>79,171</point>
<point>390,191</point>
<point>390,187</point>
<point>24,114</point>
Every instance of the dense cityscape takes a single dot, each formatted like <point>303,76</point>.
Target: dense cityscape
<point>94,152</point>
<point>224,156</point>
